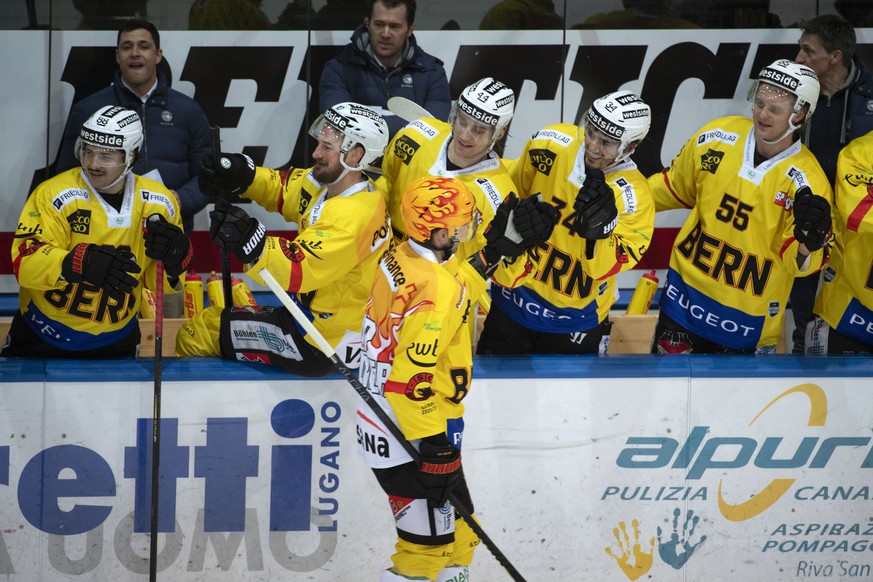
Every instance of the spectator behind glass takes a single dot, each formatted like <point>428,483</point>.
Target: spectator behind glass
<point>227,15</point>
<point>522,15</point>
<point>384,60</point>
<point>176,129</point>
<point>108,14</point>
<point>844,112</point>
<point>335,15</point>
<point>729,14</point>
<point>637,14</point>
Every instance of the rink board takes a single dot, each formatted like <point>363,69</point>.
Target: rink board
<point>770,467</point>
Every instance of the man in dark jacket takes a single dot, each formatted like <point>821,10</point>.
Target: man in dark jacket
<point>176,131</point>
<point>383,60</point>
<point>844,112</point>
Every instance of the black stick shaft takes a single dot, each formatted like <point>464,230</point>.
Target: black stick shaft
<point>156,420</point>
<point>226,283</point>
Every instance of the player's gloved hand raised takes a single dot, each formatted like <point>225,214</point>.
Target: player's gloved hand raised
<point>164,241</point>
<point>225,176</point>
<point>440,470</point>
<point>103,266</point>
<point>232,229</point>
<point>534,220</point>
<point>812,219</point>
<point>596,213</point>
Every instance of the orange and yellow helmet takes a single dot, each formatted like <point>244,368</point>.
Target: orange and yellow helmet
<point>431,203</point>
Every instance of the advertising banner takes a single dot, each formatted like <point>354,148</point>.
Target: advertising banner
<point>668,475</point>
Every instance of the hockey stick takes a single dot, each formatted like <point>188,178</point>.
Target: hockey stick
<point>156,418</point>
<point>362,391</point>
<point>407,109</point>
<point>226,283</point>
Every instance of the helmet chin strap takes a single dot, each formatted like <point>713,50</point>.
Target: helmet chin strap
<point>791,129</point>
<point>346,169</point>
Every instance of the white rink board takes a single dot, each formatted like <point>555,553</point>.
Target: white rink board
<point>544,459</point>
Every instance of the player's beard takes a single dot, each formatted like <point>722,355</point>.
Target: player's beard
<point>326,173</point>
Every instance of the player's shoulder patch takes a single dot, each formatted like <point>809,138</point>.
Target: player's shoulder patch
<point>553,135</point>
<point>797,176</point>
<point>424,128</point>
<point>161,199</point>
<point>492,193</point>
<point>628,193</point>
<point>719,135</point>
<point>70,195</point>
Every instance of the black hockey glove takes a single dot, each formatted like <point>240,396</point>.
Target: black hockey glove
<point>501,239</point>
<point>812,219</point>
<point>596,213</point>
<point>167,242</point>
<point>534,220</point>
<point>103,266</point>
<point>226,175</point>
<point>440,469</point>
<point>232,229</point>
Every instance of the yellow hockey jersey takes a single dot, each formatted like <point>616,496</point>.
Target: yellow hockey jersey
<point>567,291</point>
<point>845,300</point>
<point>734,260</point>
<point>61,213</point>
<point>418,150</point>
<point>417,355</point>
<point>330,264</point>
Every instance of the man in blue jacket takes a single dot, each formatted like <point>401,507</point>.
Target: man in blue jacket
<point>176,131</point>
<point>384,60</point>
<point>844,112</point>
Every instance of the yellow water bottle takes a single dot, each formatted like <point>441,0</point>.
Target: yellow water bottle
<point>241,293</point>
<point>214,289</point>
<point>193,294</point>
<point>643,294</point>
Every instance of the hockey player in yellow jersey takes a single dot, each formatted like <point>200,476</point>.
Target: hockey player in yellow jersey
<point>843,311</point>
<point>85,247</point>
<point>607,219</point>
<point>463,148</point>
<point>760,216</point>
<point>343,229</point>
<point>417,363</point>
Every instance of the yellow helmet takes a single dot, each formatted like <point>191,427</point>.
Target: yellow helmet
<point>430,203</point>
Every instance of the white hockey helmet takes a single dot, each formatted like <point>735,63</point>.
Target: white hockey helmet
<point>488,102</point>
<point>795,78</point>
<point>621,115</point>
<point>359,125</point>
<point>112,127</point>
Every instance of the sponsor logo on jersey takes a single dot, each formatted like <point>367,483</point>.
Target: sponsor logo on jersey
<point>100,138</point>
<point>710,161</point>
<point>158,198</point>
<point>478,114</point>
<point>491,193</point>
<point>727,137</point>
<point>23,231</point>
<point>405,148</point>
<point>80,221</point>
<point>381,234</point>
<point>68,196</point>
<point>555,136</point>
<point>859,179</point>
<point>418,387</point>
<point>542,160</point>
<point>782,199</point>
<point>416,351</point>
<point>393,274</point>
<point>628,194</point>
<point>426,129</point>
<point>797,176</point>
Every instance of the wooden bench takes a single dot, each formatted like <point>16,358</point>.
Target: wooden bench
<point>631,334</point>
